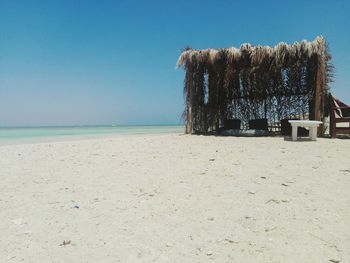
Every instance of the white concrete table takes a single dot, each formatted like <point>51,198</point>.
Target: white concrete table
<point>312,125</point>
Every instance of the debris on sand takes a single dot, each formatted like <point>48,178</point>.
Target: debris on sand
<point>65,243</point>
<point>272,200</point>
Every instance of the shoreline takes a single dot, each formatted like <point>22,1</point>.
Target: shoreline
<point>25,135</point>
<point>54,139</point>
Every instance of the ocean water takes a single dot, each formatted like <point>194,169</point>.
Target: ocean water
<point>8,135</point>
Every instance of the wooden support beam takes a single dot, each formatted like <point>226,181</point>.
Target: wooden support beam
<point>318,90</point>
<point>332,119</point>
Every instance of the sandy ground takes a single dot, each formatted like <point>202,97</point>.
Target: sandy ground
<point>175,198</point>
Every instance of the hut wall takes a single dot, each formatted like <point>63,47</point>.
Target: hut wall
<point>285,81</point>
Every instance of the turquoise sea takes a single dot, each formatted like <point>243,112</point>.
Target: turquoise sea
<point>10,134</point>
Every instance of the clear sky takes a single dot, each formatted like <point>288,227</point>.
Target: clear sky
<point>113,62</point>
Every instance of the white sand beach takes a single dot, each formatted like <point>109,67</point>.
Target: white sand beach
<point>175,198</point>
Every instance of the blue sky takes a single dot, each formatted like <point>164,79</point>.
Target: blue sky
<point>113,62</point>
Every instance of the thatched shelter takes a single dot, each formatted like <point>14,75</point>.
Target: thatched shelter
<point>250,82</point>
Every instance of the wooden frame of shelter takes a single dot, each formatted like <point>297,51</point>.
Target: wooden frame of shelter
<point>339,112</point>
<point>251,82</point>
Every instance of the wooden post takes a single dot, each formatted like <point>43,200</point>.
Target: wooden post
<point>320,74</point>
<point>332,123</point>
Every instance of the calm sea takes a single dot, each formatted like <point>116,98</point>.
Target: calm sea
<point>8,135</point>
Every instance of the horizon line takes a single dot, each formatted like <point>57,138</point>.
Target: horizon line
<point>87,125</point>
